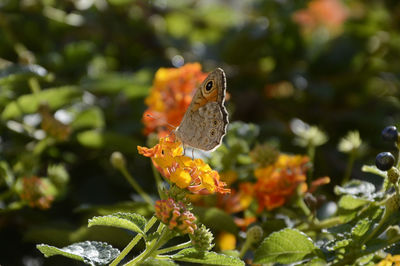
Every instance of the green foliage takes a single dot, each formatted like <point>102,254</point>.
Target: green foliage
<point>90,252</point>
<point>93,63</point>
<point>130,221</point>
<point>194,256</point>
<point>285,246</point>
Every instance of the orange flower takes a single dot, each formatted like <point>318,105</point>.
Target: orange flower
<point>328,13</point>
<point>236,201</point>
<point>193,175</point>
<point>278,182</point>
<point>36,192</point>
<point>170,96</point>
<point>390,260</point>
<point>243,223</point>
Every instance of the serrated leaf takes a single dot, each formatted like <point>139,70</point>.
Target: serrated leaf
<point>356,188</point>
<point>90,252</point>
<point>212,218</point>
<point>194,256</point>
<point>130,221</point>
<point>349,202</point>
<point>152,262</point>
<point>285,246</point>
<point>361,228</point>
<point>29,103</point>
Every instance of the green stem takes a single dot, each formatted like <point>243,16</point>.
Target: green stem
<point>245,248</point>
<point>349,168</point>
<point>176,247</point>
<point>34,85</point>
<point>136,186</point>
<point>311,155</point>
<point>133,242</point>
<point>159,182</point>
<point>153,246</point>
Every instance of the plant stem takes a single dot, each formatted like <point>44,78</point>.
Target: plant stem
<point>311,155</point>
<point>153,246</point>
<point>245,247</point>
<point>349,167</point>
<point>136,186</point>
<point>133,242</point>
<point>34,85</point>
<point>159,182</point>
<point>176,247</point>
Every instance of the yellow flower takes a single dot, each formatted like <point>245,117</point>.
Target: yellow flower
<point>226,241</point>
<point>390,260</point>
<point>194,175</point>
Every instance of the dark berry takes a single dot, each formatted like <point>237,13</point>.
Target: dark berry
<point>384,161</point>
<point>390,133</point>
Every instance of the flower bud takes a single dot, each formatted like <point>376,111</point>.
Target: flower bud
<point>202,238</point>
<point>393,175</point>
<point>118,160</point>
<point>175,216</point>
<point>255,234</point>
<point>393,203</point>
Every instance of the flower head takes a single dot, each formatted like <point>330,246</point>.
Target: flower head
<point>35,191</point>
<point>170,96</point>
<point>278,182</point>
<point>194,175</point>
<point>390,260</point>
<point>327,13</point>
<point>175,216</point>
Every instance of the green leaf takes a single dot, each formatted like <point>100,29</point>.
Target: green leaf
<point>6,175</point>
<point>356,188</point>
<point>29,103</point>
<point>90,118</point>
<point>361,228</point>
<point>373,170</point>
<point>96,139</point>
<point>130,221</point>
<point>21,72</point>
<point>341,244</point>
<point>349,202</point>
<point>285,246</point>
<point>194,256</point>
<point>134,85</point>
<point>90,252</point>
<point>152,262</point>
<point>212,218</point>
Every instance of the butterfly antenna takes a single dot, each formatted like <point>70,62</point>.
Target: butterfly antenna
<point>174,127</point>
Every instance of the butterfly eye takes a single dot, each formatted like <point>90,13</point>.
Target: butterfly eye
<point>209,85</point>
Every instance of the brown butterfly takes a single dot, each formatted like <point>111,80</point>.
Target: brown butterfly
<point>204,124</point>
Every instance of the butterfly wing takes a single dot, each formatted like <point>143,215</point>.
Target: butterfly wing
<point>204,123</point>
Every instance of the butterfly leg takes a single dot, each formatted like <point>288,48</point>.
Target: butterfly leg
<point>192,154</point>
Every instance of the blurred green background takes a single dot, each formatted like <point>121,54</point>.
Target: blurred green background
<point>330,63</point>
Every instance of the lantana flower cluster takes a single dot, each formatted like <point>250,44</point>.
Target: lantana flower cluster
<point>175,216</point>
<point>194,175</point>
<point>170,96</point>
<point>36,193</point>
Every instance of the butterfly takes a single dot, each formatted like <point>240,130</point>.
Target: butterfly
<point>205,122</point>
